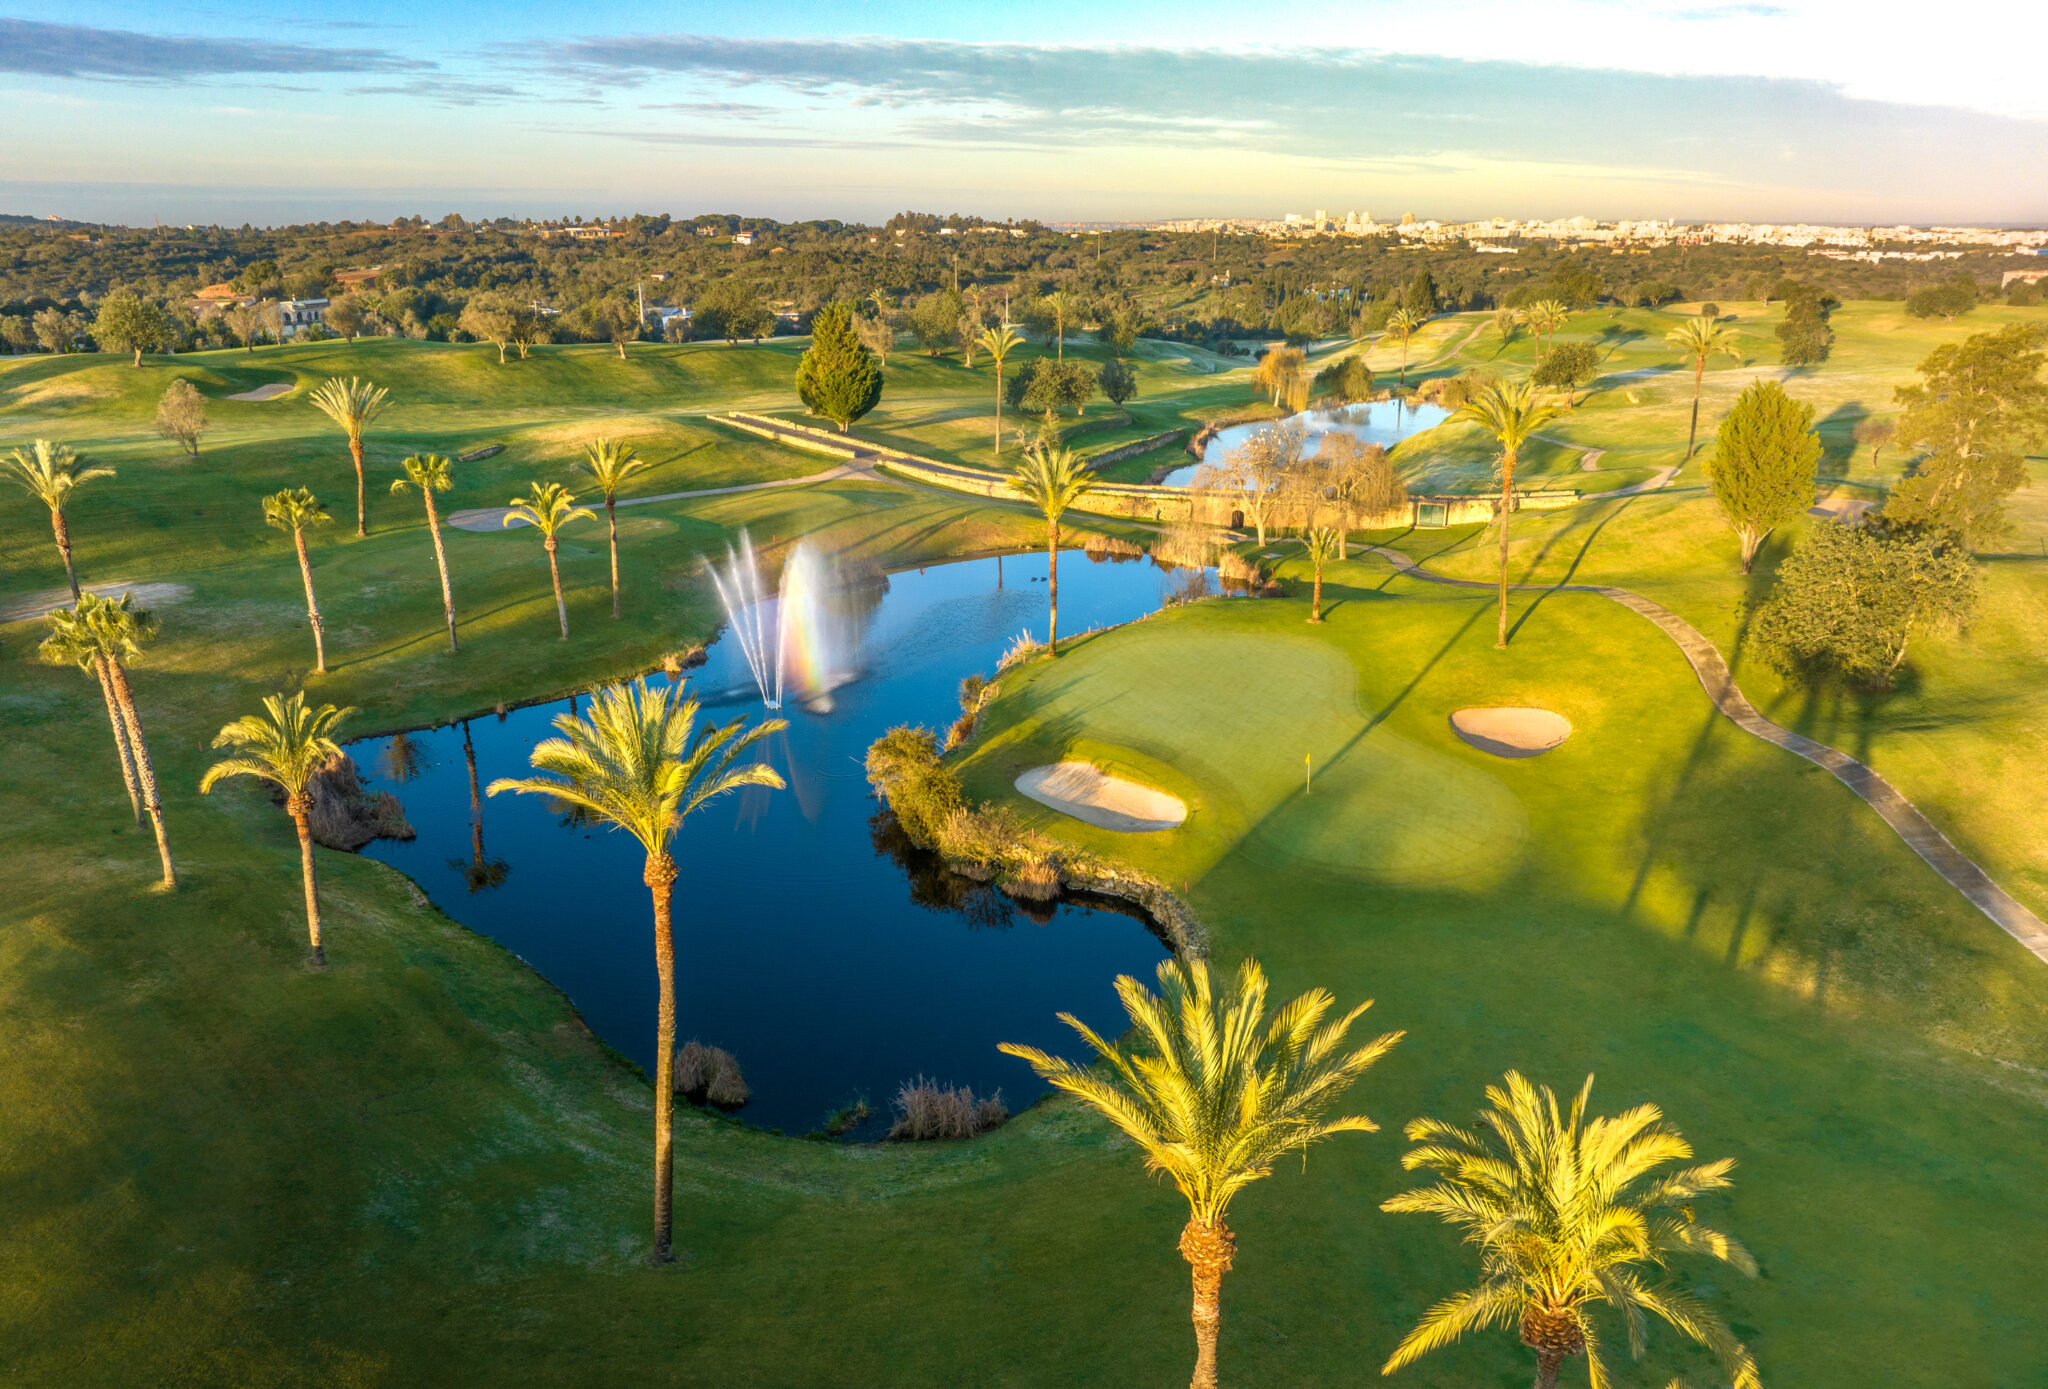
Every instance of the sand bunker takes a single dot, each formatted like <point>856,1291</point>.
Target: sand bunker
<point>270,390</point>
<point>146,596</point>
<point>1840,508</point>
<point>1088,794</point>
<point>1511,732</point>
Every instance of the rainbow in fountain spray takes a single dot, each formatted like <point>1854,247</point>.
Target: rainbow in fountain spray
<point>804,658</point>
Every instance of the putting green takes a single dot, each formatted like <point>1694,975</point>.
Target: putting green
<point>1381,807</point>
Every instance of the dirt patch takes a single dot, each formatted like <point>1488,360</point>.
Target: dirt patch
<point>1096,798</point>
<point>146,596</point>
<point>270,390</point>
<point>1511,732</point>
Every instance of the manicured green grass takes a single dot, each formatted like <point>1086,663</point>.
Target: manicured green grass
<point>417,1168</point>
<point>1700,919</point>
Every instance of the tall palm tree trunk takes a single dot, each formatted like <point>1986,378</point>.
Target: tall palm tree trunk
<point>1548,1363</point>
<point>660,877</point>
<point>441,560</point>
<point>120,737</point>
<point>1315,609</point>
<point>999,409</point>
<point>63,532</point>
<point>1208,1250</point>
<point>299,806</point>
<point>1507,503</point>
<point>355,453</point>
<point>611,518</point>
<point>1052,555</point>
<point>145,772</point>
<point>555,574</point>
<point>312,603</point>
<point>1692,435</point>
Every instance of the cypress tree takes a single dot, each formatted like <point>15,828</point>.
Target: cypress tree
<point>838,377</point>
<point>1762,473</point>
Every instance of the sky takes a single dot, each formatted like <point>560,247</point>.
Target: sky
<point>1868,111</point>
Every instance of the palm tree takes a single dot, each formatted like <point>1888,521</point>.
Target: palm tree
<point>638,761</point>
<point>1052,479</point>
<point>611,463</point>
<point>1322,547</point>
<point>1697,339</point>
<point>71,642</point>
<point>548,510</point>
<point>1402,324</point>
<point>1218,1095</point>
<point>1546,316</point>
<point>1063,306</point>
<point>112,631</point>
<point>295,509</point>
<point>998,342</point>
<point>1565,1211</point>
<point>51,473</point>
<point>433,473</point>
<point>1511,412</point>
<point>285,745</point>
<point>352,404</point>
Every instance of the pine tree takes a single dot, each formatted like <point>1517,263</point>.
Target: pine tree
<point>838,376</point>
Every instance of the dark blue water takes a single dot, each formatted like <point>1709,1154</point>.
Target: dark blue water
<point>804,944</point>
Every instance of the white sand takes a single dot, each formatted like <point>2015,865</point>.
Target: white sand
<point>146,596</point>
<point>270,390</point>
<point>1089,794</point>
<point>1511,732</point>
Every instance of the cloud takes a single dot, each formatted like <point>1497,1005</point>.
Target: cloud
<point>1333,104</point>
<point>70,50</point>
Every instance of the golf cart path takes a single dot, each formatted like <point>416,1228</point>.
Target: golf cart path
<point>1880,795</point>
<point>492,518</point>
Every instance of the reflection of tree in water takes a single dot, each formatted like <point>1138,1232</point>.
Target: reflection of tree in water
<point>405,757</point>
<point>480,872</point>
<point>854,601</point>
<point>938,888</point>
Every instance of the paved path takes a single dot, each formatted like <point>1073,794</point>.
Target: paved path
<point>492,518</point>
<point>1925,840</point>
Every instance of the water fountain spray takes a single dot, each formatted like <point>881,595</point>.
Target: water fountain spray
<point>745,609</point>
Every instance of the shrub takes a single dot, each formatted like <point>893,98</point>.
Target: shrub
<point>1098,546</point>
<point>706,1074</point>
<point>344,815</point>
<point>1233,567</point>
<point>904,768</point>
<point>927,1110</point>
<point>1186,544</point>
<point>1024,648</point>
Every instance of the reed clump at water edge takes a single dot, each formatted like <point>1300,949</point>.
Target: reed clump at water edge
<point>928,1111</point>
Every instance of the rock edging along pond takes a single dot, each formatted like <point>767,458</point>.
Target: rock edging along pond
<point>988,844</point>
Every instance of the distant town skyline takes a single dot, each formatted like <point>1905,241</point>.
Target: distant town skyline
<point>1795,112</point>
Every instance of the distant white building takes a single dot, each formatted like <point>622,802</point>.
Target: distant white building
<point>295,316</point>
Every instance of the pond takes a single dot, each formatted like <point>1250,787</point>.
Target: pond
<point>829,958</point>
<point>1383,422</point>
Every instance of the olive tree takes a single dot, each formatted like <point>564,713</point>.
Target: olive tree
<point>1850,600</point>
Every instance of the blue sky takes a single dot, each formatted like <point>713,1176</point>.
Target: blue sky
<point>1453,108</point>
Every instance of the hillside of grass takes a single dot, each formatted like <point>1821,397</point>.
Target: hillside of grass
<point>419,1168</point>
